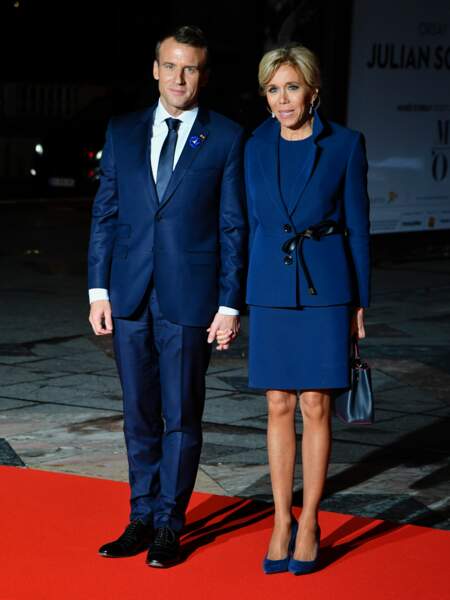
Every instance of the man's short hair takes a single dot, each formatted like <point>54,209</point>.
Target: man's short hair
<point>186,34</point>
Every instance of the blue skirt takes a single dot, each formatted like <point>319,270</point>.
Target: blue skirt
<point>299,348</point>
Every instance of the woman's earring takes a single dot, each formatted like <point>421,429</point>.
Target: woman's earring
<point>312,106</point>
<point>272,114</point>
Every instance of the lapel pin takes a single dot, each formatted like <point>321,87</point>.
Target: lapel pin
<point>196,140</point>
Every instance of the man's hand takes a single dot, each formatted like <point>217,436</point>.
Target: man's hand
<point>100,317</point>
<point>357,325</point>
<point>224,329</point>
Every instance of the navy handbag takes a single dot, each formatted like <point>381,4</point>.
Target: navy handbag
<point>355,404</point>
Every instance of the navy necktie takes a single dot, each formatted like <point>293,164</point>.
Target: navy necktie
<point>165,164</point>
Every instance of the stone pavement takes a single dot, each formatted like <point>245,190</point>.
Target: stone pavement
<point>60,399</point>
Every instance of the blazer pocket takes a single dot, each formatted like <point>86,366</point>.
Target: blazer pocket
<point>120,251</point>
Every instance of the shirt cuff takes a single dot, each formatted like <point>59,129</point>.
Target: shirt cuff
<point>98,294</point>
<point>226,310</point>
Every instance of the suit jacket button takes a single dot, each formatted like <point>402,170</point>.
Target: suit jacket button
<point>288,260</point>
<point>287,228</point>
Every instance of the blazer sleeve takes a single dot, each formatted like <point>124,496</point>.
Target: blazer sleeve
<point>104,219</point>
<point>233,228</point>
<point>356,208</point>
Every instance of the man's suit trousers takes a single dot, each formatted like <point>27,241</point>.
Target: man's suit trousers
<point>162,368</point>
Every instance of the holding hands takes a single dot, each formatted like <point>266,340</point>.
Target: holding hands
<point>224,329</point>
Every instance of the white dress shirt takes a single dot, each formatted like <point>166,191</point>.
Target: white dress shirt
<point>160,130</point>
<point>159,133</point>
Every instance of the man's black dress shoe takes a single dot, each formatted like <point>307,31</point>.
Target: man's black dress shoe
<point>136,538</point>
<point>165,548</point>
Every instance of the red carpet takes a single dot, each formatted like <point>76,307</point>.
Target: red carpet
<point>52,525</point>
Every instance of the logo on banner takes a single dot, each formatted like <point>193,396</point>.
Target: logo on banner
<point>439,161</point>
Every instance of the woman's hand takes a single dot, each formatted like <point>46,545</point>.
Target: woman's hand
<point>357,324</point>
<point>224,330</point>
<point>224,337</point>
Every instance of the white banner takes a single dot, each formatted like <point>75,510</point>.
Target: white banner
<point>399,97</point>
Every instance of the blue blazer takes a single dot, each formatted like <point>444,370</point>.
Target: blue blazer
<point>191,245</point>
<point>336,189</point>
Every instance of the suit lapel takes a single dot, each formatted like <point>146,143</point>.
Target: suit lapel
<point>312,160</point>
<point>145,141</point>
<point>269,133</point>
<point>269,160</point>
<point>197,139</point>
<point>307,171</point>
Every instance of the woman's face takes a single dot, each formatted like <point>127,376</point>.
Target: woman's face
<point>289,97</point>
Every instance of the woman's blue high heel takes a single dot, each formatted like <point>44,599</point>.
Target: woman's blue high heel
<point>302,567</point>
<point>270,567</point>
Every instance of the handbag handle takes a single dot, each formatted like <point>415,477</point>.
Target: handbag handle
<point>355,348</point>
<point>356,356</point>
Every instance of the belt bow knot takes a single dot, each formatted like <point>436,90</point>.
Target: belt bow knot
<point>313,232</point>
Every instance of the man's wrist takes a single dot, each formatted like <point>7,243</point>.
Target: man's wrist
<point>96,294</point>
<point>227,310</point>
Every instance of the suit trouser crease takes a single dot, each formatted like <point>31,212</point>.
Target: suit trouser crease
<point>162,368</point>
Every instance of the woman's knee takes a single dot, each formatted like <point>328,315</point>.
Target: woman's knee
<point>315,406</point>
<point>281,403</point>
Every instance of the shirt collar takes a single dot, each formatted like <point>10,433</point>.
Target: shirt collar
<point>187,117</point>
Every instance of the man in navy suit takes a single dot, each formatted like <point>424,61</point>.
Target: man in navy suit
<point>166,268</point>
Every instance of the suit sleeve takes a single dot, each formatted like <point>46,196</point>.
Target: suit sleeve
<point>104,219</point>
<point>233,229</point>
<point>356,206</point>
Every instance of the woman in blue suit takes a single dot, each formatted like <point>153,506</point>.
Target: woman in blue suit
<point>308,283</point>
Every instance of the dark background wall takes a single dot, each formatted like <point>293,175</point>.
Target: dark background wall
<point>78,62</point>
<point>111,44</point>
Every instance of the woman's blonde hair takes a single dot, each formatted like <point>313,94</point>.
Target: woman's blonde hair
<point>299,57</point>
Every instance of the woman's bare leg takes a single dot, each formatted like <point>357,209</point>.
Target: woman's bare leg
<point>281,449</point>
<point>316,446</point>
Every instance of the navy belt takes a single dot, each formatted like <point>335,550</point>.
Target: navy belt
<point>314,232</point>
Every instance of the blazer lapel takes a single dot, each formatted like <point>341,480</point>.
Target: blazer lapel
<point>145,141</point>
<point>197,139</point>
<point>312,160</point>
<point>306,171</point>
<point>269,161</point>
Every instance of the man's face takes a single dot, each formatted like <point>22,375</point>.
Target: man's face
<point>180,72</point>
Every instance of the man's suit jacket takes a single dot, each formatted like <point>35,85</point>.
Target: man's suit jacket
<point>191,245</point>
<point>335,189</point>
